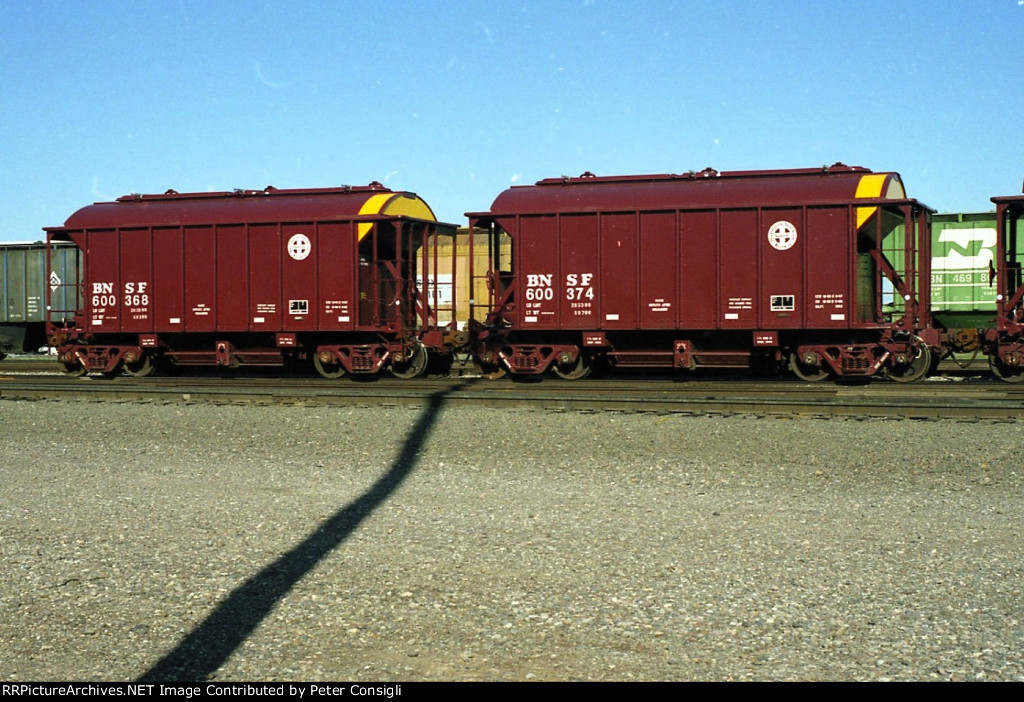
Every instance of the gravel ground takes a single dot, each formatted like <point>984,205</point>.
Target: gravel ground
<point>312,543</point>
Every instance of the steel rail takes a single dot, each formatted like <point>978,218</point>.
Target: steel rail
<point>989,400</point>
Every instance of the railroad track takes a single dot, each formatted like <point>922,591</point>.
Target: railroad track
<point>962,398</point>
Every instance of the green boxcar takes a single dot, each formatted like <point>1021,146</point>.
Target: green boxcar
<point>963,293</point>
<point>23,282</point>
<point>963,267</point>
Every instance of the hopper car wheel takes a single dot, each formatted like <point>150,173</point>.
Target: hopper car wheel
<point>811,374</point>
<point>328,370</point>
<point>491,371</point>
<point>141,368</point>
<point>73,370</point>
<point>577,371</point>
<point>1004,372</point>
<point>413,367</point>
<point>916,369</point>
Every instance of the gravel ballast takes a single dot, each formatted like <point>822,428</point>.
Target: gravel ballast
<point>197,541</point>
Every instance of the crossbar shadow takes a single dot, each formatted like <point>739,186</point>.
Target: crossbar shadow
<point>209,645</point>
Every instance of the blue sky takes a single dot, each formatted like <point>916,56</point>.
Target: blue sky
<point>457,100</point>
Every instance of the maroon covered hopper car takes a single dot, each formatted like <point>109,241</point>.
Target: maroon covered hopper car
<point>269,277</point>
<point>824,271</point>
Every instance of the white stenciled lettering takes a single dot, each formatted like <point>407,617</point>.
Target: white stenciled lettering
<point>578,286</point>
<point>538,287</point>
<point>103,295</point>
<point>135,294</point>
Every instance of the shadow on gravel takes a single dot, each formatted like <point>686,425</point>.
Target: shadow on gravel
<point>202,652</point>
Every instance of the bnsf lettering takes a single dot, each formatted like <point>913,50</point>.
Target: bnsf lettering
<point>135,294</point>
<point>103,295</point>
<point>572,279</point>
<point>538,286</point>
<point>577,286</point>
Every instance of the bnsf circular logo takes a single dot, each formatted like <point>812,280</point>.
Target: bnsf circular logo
<point>782,235</point>
<point>299,246</point>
